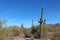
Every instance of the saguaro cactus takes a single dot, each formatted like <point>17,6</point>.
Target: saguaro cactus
<point>44,21</point>
<point>41,21</point>
<point>22,26</point>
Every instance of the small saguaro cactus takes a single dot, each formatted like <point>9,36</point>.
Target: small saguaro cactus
<point>22,26</point>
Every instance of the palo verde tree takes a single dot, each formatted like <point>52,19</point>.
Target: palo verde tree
<point>2,34</point>
<point>2,23</point>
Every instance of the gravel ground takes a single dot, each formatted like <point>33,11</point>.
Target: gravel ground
<point>21,38</point>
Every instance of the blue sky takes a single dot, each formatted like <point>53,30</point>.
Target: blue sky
<point>18,11</point>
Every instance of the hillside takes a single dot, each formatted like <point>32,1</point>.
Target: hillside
<point>51,31</point>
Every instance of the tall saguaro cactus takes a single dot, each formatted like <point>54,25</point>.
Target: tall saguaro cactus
<point>41,21</point>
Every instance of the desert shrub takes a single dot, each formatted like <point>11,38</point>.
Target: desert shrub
<point>15,31</point>
<point>33,30</point>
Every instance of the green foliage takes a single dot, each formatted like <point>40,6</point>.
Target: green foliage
<point>28,32</point>
<point>33,30</point>
<point>15,31</point>
<point>37,28</point>
<point>2,23</point>
<point>24,30</point>
<point>2,31</point>
<point>2,34</point>
<point>57,34</point>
